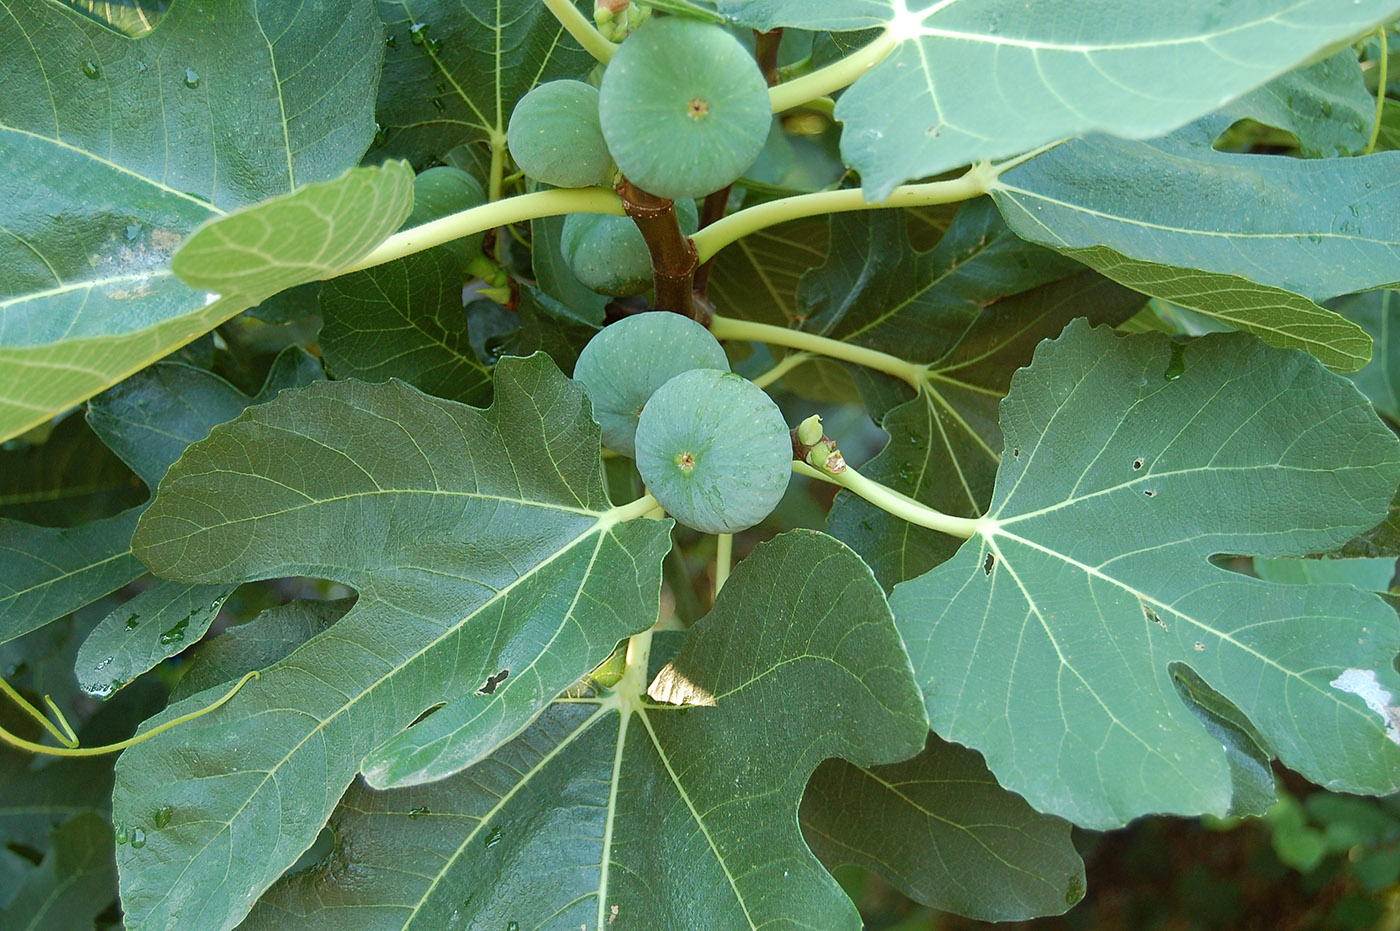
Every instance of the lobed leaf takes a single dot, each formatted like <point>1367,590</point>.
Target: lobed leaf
<point>492,573</point>
<point>1049,641</point>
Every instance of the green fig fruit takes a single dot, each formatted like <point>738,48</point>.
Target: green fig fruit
<point>714,450</point>
<point>626,362</point>
<point>684,108</point>
<point>609,255</point>
<point>554,136</point>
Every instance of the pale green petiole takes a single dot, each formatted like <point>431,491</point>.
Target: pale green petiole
<point>583,32</point>
<point>69,750</point>
<point>832,77</point>
<point>893,502</point>
<point>730,328</point>
<point>489,216</point>
<point>724,559</point>
<point>976,181</point>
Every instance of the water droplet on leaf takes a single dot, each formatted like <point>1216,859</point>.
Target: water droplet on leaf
<point>417,812</point>
<point>418,33</point>
<point>439,105</point>
<point>493,838</point>
<point>91,70</point>
<point>133,621</point>
<point>138,838</point>
<point>121,834</point>
<point>175,634</point>
<point>191,78</point>
<point>381,134</point>
<point>163,815</point>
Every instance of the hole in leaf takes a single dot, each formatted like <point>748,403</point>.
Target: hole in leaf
<point>425,715</point>
<point>1138,463</point>
<point>27,852</point>
<point>1152,616</point>
<point>988,563</point>
<point>698,108</point>
<point>492,682</point>
<point>1016,453</point>
<point>1149,492</point>
<point>1178,363</point>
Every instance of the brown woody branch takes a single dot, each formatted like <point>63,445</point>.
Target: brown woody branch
<point>673,256</point>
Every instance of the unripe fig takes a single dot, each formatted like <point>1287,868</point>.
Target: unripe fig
<point>625,363</point>
<point>609,255</point>
<point>554,136</point>
<point>684,108</point>
<point>714,450</point>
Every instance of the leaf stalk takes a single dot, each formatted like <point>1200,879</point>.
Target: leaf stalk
<point>69,750</point>
<point>583,32</point>
<point>488,216</point>
<point>832,77</point>
<point>976,181</point>
<point>729,328</point>
<point>893,502</point>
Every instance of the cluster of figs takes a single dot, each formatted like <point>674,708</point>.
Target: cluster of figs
<point>681,111</point>
<point>712,447</point>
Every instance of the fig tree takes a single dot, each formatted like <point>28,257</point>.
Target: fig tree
<point>625,363</point>
<point>609,255</point>
<point>684,108</point>
<point>714,450</point>
<point>554,135</point>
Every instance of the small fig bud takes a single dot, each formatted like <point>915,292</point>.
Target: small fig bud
<point>809,432</point>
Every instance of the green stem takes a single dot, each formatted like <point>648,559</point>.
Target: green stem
<point>724,559</point>
<point>791,361</point>
<point>677,577</point>
<point>22,744</point>
<point>834,76</point>
<point>729,328</point>
<point>584,32</point>
<point>498,166</point>
<point>62,736</point>
<point>976,181</point>
<point>488,216</point>
<point>892,502</point>
<point>632,510</point>
<point>1380,96</point>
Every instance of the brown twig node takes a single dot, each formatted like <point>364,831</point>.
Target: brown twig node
<point>673,255</point>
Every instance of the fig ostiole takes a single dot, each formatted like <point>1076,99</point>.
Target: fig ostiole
<point>555,137</point>
<point>626,362</point>
<point>684,108</point>
<point>714,450</point>
<point>609,254</point>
